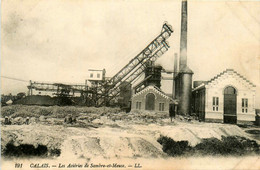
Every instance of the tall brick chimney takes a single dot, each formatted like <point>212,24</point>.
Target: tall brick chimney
<point>184,28</point>
<point>183,80</point>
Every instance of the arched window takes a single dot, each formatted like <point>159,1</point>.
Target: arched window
<point>230,90</point>
<point>149,101</point>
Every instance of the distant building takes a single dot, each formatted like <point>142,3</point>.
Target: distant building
<point>228,97</point>
<point>96,75</point>
<point>151,98</point>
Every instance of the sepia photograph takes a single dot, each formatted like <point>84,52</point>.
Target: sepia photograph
<point>130,84</point>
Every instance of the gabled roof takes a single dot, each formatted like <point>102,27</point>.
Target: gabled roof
<point>227,70</point>
<point>220,74</point>
<point>155,89</point>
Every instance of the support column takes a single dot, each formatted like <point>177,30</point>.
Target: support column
<point>174,75</point>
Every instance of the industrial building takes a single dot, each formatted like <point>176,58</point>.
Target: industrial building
<point>228,98</point>
<point>100,90</point>
<point>148,95</point>
<point>151,98</point>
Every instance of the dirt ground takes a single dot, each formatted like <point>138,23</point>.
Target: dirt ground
<point>128,141</point>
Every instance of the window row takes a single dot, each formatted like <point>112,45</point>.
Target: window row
<point>215,104</point>
<point>92,75</point>
<point>138,106</point>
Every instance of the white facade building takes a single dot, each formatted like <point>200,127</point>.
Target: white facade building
<point>96,75</point>
<point>228,97</point>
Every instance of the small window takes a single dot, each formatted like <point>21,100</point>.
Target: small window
<point>244,105</point>
<point>138,105</point>
<point>98,75</point>
<point>91,75</point>
<point>215,104</point>
<point>161,106</point>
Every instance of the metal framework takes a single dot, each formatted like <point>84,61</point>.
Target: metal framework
<point>59,88</point>
<point>137,65</point>
<point>106,90</point>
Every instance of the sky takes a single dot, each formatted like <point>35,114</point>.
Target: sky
<point>59,40</point>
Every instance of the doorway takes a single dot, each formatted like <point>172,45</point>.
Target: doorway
<point>230,105</point>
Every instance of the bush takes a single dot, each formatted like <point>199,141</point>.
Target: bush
<point>173,148</point>
<point>239,145</point>
<point>209,146</point>
<point>231,145</point>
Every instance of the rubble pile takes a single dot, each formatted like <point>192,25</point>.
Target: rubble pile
<point>99,132</point>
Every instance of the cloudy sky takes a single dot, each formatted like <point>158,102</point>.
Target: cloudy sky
<point>59,40</point>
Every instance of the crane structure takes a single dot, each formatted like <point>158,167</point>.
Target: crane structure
<point>111,88</point>
<point>59,89</point>
<point>102,92</point>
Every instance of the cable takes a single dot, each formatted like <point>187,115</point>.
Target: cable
<point>11,78</point>
<point>27,81</point>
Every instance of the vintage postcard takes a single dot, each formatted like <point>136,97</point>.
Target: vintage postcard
<point>128,84</point>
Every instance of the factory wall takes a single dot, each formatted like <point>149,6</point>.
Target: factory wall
<point>198,103</point>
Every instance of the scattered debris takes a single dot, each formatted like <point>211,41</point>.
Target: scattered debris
<point>109,133</point>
